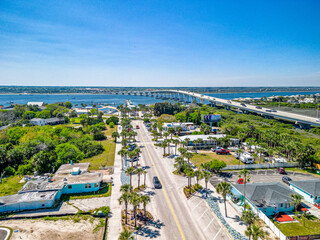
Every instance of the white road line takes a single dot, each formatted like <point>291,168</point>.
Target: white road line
<point>209,224</point>
<point>217,234</point>
<point>197,205</point>
<point>202,214</point>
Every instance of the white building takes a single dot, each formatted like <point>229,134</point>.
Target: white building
<point>185,126</point>
<point>48,121</point>
<point>39,104</point>
<point>207,140</point>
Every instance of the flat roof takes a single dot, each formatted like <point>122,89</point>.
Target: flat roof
<point>203,137</point>
<point>67,168</point>
<point>27,197</point>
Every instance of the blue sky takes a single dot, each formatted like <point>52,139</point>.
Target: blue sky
<point>160,43</point>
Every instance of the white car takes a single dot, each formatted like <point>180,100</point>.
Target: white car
<point>318,120</point>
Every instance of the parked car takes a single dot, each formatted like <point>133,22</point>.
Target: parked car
<point>240,181</point>
<point>281,170</point>
<point>137,127</point>
<point>242,104</point>
<point>258,107</point>
<point>286,179</point>
<point>217,148</point>
<point>156,182</point>
<point>273,110</point>
<point>222,151</point>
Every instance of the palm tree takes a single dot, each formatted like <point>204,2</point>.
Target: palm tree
<point>171,131</point>
<point>224,188</point>
<point>190,174</point>
<point>123,152</point>
<point>139,171</point>
<point>164,145</point>
<point>256,232</point>
<point>145,199</point>
<point>135,201</point>
<point>199,175</point>
<point>182,151</point>
<point>131,155</point>
<point>249,217</point>
<point>130,171</point>
<point>296,200</point>
<point>178,130</point>
<point>248,232</point>
<point>207,175</point>
<point>126,188</point>
<point>115,135</point>
<point>179,162</point>
<point>166,134</point>
<point>176,142</point>
<point>188,155</point>
<point>145,175</point>
<point>124,142</point>
<point>126,235</point>
<point>244,173</point>
<point>125,197</point>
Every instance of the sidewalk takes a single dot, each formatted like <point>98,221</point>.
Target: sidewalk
<point>114,224</point>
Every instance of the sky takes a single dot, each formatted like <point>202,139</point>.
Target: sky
<point>160,43</point>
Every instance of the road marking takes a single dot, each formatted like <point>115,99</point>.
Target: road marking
<point>209,225</point>
<point>164,191</point>
<point>197,205</point>
<point>202,214</point>
<point>217,234</point>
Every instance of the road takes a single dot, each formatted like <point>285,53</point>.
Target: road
<point>178,217</point>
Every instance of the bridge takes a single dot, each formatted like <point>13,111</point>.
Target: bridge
<point>187,96</point>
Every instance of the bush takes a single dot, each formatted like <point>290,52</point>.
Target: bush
<point>111,125</point>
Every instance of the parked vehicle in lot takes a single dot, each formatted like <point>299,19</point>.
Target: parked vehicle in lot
<point>242,104</point>
<point>137,127</point>
<point>156,182</point>
<point>281,170</point>
<point>240,181</point>
<point>246,158</point>
<point>258,107</point>
<point>222,151</point>
<point>215,149</point>
<point>286,179</point>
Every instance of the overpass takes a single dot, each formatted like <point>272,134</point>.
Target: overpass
<point>186,96</point>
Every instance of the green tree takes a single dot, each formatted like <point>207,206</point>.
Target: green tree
<point>207,176</point>
<point>145,199</point>
<point>190,174</point>
<point>296,200</point>
<point>126,235</point>
<point>125,198</point>
<point>249,217</point>
<point>138,172</point>
<point>224,188</point>
<point>135,201</point>
<point>66,152</point>
<point>115,135</point>
<point>130,171</point>
<point>244,173</point>
<point>199,175</point>
<point>68,104</point>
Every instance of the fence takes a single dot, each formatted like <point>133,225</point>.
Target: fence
<point>272,226</point>
<point>263,165</point>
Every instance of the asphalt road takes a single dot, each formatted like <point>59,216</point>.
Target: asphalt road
<point>176,217</point>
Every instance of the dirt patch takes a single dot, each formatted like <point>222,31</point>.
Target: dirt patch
<point>53,230</point>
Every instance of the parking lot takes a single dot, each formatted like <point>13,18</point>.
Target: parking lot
<point>262,176</point>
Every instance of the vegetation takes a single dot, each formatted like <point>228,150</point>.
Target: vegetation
<point>10,185</point>
<point>224,188</point>
<point>200,158</point>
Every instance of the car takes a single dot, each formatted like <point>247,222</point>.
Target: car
<point>286,179</point>
<point>156,182</point>
<point>281,170</point>
<point>240,181</point>
<point>137,127</point>
<point>222,151</point>
<point>272,110</point>
<point>133,159</point>
<point>242,104</point>
<point>217,148</point>
<point>258,107</point>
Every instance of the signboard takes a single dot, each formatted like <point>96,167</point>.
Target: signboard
<point>211,118</point>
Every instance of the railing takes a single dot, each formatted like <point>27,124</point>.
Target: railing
<point>263,165</point>
<point>272,226</point>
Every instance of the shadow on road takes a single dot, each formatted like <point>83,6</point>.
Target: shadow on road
<point>147,232</point>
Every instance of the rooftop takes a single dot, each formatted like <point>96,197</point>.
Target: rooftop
<point>27,197</point>
<point>266,194</point>
<point>310,186</point>
<point>203,137</point>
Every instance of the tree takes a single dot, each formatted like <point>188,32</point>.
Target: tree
<point>249,217</point>
<point>188,155</point>
<point>126,188</point>
<point>296,200</point>
<point>175,142</point>
<point>135,201</point>
<point>145,175</point>
<point>123,153</point>
<point>164,145</point>
<point>68,104</point>
<point>199,175</point>
<point>166,134</point>
<point>190,174</point>
<point>171,131</point>
<point>207,176</point>
<point>255,232</point>
<point>145,199</point>
<point>66,152</point>
<point>126,235</point>
<point>224,188</point>
<point>244,173</point>
<point>115,135</point>
<point>214,165</point>
<point>139,171</point>
<point>125,198</point>
<point>130,171</point>
<point>182,151</point>
<point>179,162</point>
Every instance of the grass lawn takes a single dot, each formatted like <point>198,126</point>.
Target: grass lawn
<point>107,157</point>
<point>10,185</point>
<point>199,158</point>
<point>311,227</point>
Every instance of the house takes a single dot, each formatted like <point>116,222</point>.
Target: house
<point>45,191</point>
<point>39,104</point>
<point>185,126</point>
<point>308,189</point>
<point>270,198</point>
<point>48,121</point>
<point>207,140</point>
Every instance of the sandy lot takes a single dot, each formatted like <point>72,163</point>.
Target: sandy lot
<point>53,230</point>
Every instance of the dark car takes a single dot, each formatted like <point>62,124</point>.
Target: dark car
<point>156,182</point>
<point>281,170</point>
<point>286,179</point>
<point>222,151</point>
<point>242,104</point>
<point>258,107</point>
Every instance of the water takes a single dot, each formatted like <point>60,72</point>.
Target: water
<point>116,100</point>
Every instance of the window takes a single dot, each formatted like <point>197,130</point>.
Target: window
<point>69,186</point>
<point>316,197</point>
<point>96,185</point>
<point>87,185</point>
<point>281,204</point>
<point>42,205</point>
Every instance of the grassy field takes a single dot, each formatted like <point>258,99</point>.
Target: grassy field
<point>107,157</point>
<point>199,158</point>
<point>10,185</point>
<point>311,227</point>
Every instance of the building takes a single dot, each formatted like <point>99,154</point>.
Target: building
<point>207,140</point>
<point>185,126</point>
<point>45,191</point>
<point>39,104</point>
<point>270,198</point>
<point>308,189</point>
<point>48,121</point>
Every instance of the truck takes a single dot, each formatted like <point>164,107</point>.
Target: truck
<point>246,158</point>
